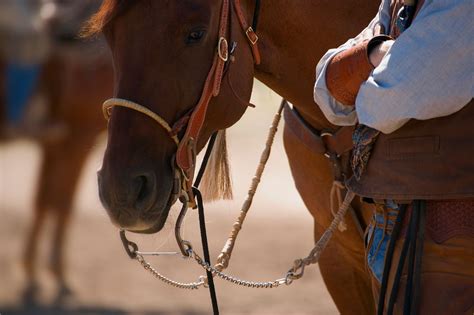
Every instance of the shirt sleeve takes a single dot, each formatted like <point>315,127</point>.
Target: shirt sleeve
<point>427,73</point>
<point>336,112</point>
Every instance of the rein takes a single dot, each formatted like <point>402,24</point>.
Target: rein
<point>294,273</point>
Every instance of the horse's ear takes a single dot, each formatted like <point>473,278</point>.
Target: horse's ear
<point>216,183</point>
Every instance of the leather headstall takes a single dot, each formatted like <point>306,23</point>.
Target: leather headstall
<point>194,120</point>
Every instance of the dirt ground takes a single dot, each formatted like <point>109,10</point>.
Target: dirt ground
<point>105,281</point>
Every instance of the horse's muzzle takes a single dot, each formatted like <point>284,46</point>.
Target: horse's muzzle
<point>132,202</point>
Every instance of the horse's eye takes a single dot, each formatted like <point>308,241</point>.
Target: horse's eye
<point>195,36</point>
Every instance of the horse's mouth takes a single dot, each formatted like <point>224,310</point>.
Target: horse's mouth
<point>158,217</point>
<point>158,226</point>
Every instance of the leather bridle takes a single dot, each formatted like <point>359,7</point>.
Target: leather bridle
<point>185,157</point>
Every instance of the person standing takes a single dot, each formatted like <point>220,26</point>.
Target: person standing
<point>24,47</point>
<point>31,33</point>
<point>406,82</point>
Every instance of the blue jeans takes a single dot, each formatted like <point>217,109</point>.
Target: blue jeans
<point>21,81</point>
<point>378,237</point>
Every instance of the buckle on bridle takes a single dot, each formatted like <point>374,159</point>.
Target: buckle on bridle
<point>223,49</point>
<point>253,38</point>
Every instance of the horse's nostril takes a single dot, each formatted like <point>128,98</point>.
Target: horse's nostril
<point>145,191</point>
<point>136,194</point>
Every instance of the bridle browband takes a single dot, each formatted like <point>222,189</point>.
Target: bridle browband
<point>185,157</point>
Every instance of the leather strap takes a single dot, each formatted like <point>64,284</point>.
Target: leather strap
<point>211,87</point>
<point>186,153</point>
<point>305,133</point>
<point>256,15</point>
<point>340,142</point>
<point>249,31</point>
<point>326,143</point>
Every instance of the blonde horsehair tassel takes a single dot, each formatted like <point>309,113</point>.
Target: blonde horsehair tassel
<point>217,183</point>
<point>224,257</point>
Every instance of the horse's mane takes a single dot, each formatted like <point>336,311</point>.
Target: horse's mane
<point>107,11</point>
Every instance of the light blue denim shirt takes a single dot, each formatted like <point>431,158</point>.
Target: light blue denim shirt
<point>427,73</point>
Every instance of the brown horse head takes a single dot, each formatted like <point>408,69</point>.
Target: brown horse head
<point>163,52</point>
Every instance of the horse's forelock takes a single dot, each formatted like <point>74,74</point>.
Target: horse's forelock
<point>107,11</point>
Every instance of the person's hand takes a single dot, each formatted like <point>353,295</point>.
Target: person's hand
<point>379,51</point>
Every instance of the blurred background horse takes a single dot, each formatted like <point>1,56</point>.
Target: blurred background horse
<point>75,77</point>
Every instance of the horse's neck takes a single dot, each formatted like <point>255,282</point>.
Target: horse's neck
<point>294,36</point>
